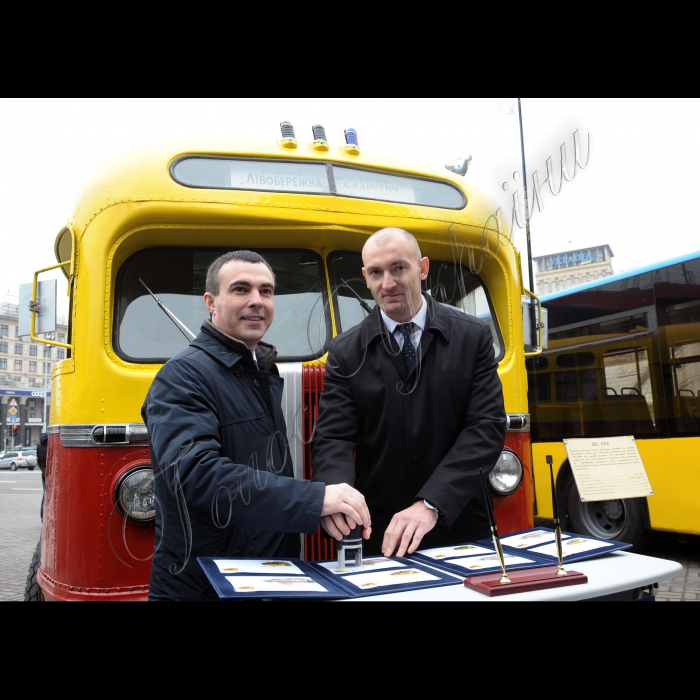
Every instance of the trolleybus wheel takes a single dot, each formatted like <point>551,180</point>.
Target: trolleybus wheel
<point>32,591</point>
<point>620,519</point>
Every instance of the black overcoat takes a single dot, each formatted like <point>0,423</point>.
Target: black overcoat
<point>400,437</point>
<point>223,473</point>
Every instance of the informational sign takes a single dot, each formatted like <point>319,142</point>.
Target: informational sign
<point>370,185</point>
<point>608,468</point>
<point>244,174</point>
<point>279,177</point>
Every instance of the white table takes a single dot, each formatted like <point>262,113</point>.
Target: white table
<point>614,573</point>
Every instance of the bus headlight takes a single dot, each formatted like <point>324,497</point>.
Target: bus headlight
<point>506,476</point>
<point>135,494</point>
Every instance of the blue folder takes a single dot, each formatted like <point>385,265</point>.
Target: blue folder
<point>463,563</point>
<point>603,546</point>
<point>225,588</point>
<point>366,581</point>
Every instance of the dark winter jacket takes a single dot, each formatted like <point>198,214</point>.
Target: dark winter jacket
<point>400,437</point>
<point>224,478</point>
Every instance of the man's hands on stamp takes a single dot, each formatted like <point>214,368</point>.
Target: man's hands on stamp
<point>343,509</point>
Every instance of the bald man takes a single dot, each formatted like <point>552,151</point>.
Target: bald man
<point>412,408</point>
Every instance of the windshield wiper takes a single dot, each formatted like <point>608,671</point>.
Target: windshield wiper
<point>365,306</point>
<point>183,328</point>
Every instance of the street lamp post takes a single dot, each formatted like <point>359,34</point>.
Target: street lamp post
<point>533,325</point>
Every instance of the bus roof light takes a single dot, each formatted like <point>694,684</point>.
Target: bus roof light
<point>320,142</point>
<point>352,145</point>
<point>289,140</point>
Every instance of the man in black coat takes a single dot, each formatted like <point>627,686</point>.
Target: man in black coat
<point>410,413</point>
<point>223,472</point>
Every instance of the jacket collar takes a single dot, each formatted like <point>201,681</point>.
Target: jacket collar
<point>229,350</point>
<point>436,319</point>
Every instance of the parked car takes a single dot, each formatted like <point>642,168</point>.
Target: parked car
<point>18,460</point>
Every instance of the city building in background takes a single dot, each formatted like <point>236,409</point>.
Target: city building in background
<point>572,267</point>
<point>25,379</point>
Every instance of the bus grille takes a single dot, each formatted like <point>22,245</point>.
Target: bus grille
<point>318,546</point>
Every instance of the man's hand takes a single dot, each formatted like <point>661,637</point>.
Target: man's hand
<point>407,529</point>
<point>343,509</point>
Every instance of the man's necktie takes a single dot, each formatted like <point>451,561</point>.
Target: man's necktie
<point>409,352</point>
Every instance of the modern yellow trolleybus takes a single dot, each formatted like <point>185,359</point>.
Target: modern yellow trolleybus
<point>623,358</point>
<point>135,254</point>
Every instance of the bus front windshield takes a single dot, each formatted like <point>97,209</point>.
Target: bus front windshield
<point>143,332</point>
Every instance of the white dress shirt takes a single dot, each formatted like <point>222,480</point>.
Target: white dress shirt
<point>418,325</point>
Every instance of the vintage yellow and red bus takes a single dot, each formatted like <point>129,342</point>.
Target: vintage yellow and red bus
<point>135,254</point>
<point>623,358</point>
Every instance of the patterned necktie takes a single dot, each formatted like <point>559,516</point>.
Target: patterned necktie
<point>409,352</point>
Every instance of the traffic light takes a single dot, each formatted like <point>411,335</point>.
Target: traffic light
<point>15,430</point>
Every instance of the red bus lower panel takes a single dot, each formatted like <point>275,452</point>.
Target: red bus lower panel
<point>89,550</point>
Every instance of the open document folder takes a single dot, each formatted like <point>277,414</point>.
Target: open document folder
<point>236,578</point>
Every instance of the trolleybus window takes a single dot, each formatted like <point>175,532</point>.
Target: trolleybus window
<point>314,178</point>
<point>449,283</point>
<point>176,276</point>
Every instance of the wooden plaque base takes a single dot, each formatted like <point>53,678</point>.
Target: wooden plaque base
<point>523,580</point>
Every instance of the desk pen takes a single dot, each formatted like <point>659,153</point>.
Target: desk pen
<point>557,524</point>
<point>494,529</point>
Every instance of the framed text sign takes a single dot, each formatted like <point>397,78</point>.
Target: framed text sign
<point>608,468</point>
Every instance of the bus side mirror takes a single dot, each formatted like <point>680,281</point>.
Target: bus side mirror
<point>45,307</point>
<point>545,328</point>
<point>540,320</point>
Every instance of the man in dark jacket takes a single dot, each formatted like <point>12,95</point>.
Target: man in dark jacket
<point>412,407</point>
<point>223,472</point>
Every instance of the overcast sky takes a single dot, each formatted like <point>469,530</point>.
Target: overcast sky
<point>637,192</point>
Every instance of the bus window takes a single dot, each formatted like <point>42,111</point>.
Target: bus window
<point>177,276</point>
<point>566,386</point>
<point>589,385</point>
<point>687,372</point>
<point>629,398</point>
<point>539,388</point>
<point>576,359</point>
<point>455,285</point>
<point>627,372</point>
<point>351,296</point>
<point>448,283</point>
<point>686,377</point>
<point>313,178</point>
<point>607,328</point>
